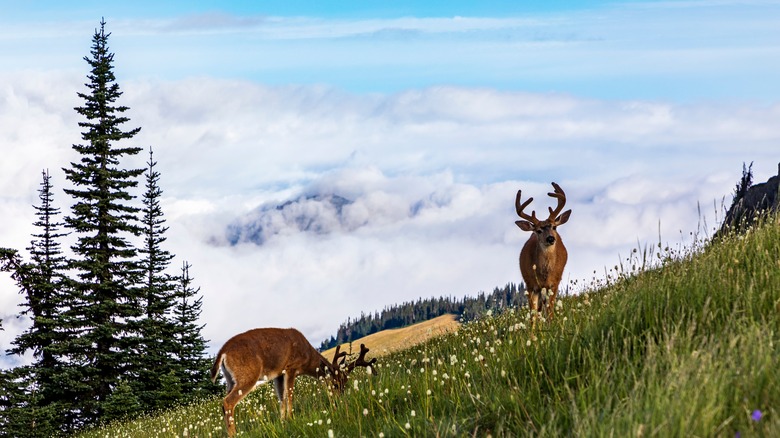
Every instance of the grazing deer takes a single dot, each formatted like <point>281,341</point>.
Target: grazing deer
<point>280,355</point>
<point>543,256</point>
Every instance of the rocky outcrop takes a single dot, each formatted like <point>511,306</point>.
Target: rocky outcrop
<point>757,199</point>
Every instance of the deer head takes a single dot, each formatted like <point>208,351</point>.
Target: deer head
<point>546,230</point>
<point>344,370</point>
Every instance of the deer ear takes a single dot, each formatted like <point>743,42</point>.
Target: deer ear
<point>525,225</point>
<point>562,219</point>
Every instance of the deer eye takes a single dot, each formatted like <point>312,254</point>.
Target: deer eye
<point>538,231</point>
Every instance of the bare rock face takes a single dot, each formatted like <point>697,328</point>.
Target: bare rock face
<point>757,199</point>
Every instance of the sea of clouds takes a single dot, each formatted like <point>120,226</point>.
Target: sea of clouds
<point>304,205</point>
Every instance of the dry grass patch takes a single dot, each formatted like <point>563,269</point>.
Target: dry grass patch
<point>389,341</point>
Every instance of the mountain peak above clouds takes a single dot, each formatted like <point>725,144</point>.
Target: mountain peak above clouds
<point>319,214</point>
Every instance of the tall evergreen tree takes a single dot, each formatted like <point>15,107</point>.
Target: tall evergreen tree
<point>47,297</point>
<point>107,299</point>
<point>191,346</point>
<point>44,287</point>
<point>157,326</point>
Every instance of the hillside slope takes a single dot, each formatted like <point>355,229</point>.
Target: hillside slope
<point>390,341</point>
<point>688,347</point>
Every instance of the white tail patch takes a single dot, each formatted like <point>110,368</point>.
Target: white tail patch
<point>226,371</point>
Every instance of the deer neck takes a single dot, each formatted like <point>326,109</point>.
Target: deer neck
<point>547,256</point>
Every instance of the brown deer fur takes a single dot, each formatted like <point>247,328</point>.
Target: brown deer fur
<point>278,355</point>
<point>543,256</point>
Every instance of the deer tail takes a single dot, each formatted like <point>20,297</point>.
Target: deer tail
<point>215,367</point>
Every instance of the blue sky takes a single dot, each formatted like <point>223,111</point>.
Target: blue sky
<point>614,50</point>
<point>428,117</point>
<point>327,9</point>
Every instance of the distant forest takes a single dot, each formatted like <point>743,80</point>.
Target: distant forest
<point>408,313</point>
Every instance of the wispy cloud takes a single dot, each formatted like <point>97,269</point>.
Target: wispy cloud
<point>302,27</point>
<point>212,21</point>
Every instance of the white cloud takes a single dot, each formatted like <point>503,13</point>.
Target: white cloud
<point>431,175</point>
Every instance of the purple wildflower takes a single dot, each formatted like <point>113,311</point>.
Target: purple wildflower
<point>756,415</point>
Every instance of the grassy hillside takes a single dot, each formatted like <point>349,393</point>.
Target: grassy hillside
<point>691,348</point>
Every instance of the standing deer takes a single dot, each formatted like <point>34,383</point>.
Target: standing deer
<point>543,256</point>
<point>280,355</point>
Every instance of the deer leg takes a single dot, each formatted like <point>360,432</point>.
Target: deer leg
<point>289,385</point>
<point>281,394</point>
<point>227,413</point>
<point>551,304</point>
<point>236,394</point>
<point>534,302</point>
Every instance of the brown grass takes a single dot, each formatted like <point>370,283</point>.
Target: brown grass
<point>388,341</point>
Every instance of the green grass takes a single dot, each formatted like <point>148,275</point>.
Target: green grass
<point>687,346</point>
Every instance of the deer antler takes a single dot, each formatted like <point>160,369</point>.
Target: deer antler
<point>519,207</point>
<point>338,355</point>
<point>560,196</point>
<point>361,360</point>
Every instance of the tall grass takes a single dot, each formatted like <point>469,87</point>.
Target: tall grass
<point>686,346</point>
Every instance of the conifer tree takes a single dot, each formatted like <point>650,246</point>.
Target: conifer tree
<point>45,288</point>
<point>191,346</point>
<point>158,288</point>
<point>106,296</point>
<point>43,284</point>
<point>46,300</point>
<point>15,400</point>
<point>122,402</point>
